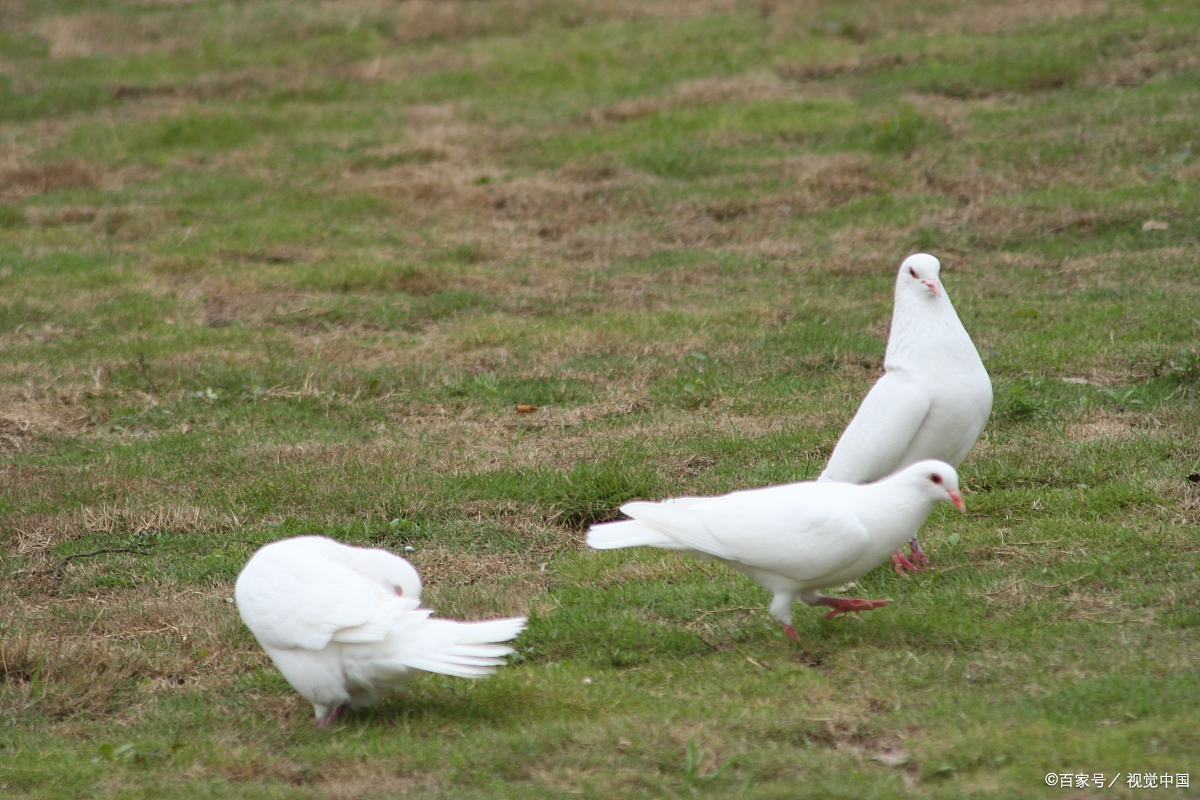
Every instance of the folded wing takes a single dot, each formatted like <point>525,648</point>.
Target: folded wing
<point>296,599</point>
<point>884,426</point>
<point>792,530</point>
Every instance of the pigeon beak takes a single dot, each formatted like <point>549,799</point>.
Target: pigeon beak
<point>956,498</point>
<point>934,287</point>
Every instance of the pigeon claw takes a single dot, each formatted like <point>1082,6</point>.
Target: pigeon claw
<point>842,605</point>
<point>918,555</point>
<point>328,718</point>
<point>790,630</point>
<point>902,565</point>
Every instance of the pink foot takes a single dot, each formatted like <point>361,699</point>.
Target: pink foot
<point>900,563</point>
<point>790,630</point>
<point>841,605</point>
<point>918,555</point>
<point>329,716</point>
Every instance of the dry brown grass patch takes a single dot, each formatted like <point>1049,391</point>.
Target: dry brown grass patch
<point>22,180</point>
<point>79,655</point>
<point>59,677</point>
<point>665,567</point>
<point>100,34</point>
<point>36,412</point>
<point>1103,608</point>
<point>1001,224</point>
<point>372,783</point>
<point>823,70</point>
<point>709,91</point>
<point>1006,16</point>
<point>1108,426</point>
<point>1074,603</point>
<point>471,586</point>
<point>38,533</point>
<point>822,182</point>
<point>563,203</point>
<point>928,18</point>
<point>1142,60</point>
<point>450,20</point>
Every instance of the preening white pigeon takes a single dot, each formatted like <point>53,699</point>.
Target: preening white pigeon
<point>793,539</point>
<point>933,399</point>
<point>345,624</point>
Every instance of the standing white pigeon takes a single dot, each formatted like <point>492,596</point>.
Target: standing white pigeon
<point>345,624</point>
<point>793,539</point>
<point>932,401</point>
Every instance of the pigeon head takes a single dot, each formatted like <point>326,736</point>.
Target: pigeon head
<point>919,275</point>
<point>385,568</point>
<point>401,575</point>
<point>938,481</point>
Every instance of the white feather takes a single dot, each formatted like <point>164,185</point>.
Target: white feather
<point>793,539</point>
<point>345,624</point>
<point>935,395</point>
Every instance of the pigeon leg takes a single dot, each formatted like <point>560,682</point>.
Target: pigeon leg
<point>918,555</point>
<point>790,630</point>
<point>901,564</point>
<point>841,605</point>
<point>327,719</point>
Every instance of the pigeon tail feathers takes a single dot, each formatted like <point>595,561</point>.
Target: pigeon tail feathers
<point>392,613</point>
<point>629,533</point>
<point>462,649</point>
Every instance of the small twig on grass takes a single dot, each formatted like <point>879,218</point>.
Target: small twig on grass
<point>142,368</point>
<point>1017,582</point>
<point>1060,585</point>
<point>1008,551</point>
<point>73,556</point>
<point>960,566</point>
<point>1042,586</point>
<point>704,614</point>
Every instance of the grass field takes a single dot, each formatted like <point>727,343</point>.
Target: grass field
<point>287,267</point>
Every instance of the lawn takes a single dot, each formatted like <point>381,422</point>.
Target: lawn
<point>280,267</point>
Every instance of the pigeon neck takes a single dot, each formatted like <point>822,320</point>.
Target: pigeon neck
<point>894,515</point>
<point>925,332</point>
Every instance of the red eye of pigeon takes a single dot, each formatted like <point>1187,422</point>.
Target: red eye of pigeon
<point>912,272</point>
<point>936,478</point>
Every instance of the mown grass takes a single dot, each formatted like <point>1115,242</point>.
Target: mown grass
<point>279,268</point>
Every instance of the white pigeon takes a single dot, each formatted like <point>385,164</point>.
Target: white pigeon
<point>345,624</point>
<point>796,538</point>
<point>932,401</point>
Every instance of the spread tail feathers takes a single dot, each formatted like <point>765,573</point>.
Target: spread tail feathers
<point>629,533</point>
<point>465,649</point>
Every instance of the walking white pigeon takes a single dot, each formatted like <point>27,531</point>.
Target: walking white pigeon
<point>933,399</point>
<point>796,538</point>
<point>345,624</point>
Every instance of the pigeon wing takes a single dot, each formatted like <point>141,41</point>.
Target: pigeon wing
<point>779,530</point>
<point>300,600</point>
<point>875,441</point>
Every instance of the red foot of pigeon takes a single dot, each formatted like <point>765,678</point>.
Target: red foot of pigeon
<point>325,720</point>
<point>841,605</point>
<point>918,555</point>
<point>790,630</point>
<point>901,564</point>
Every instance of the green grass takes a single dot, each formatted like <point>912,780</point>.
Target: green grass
<point>280,268</point>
